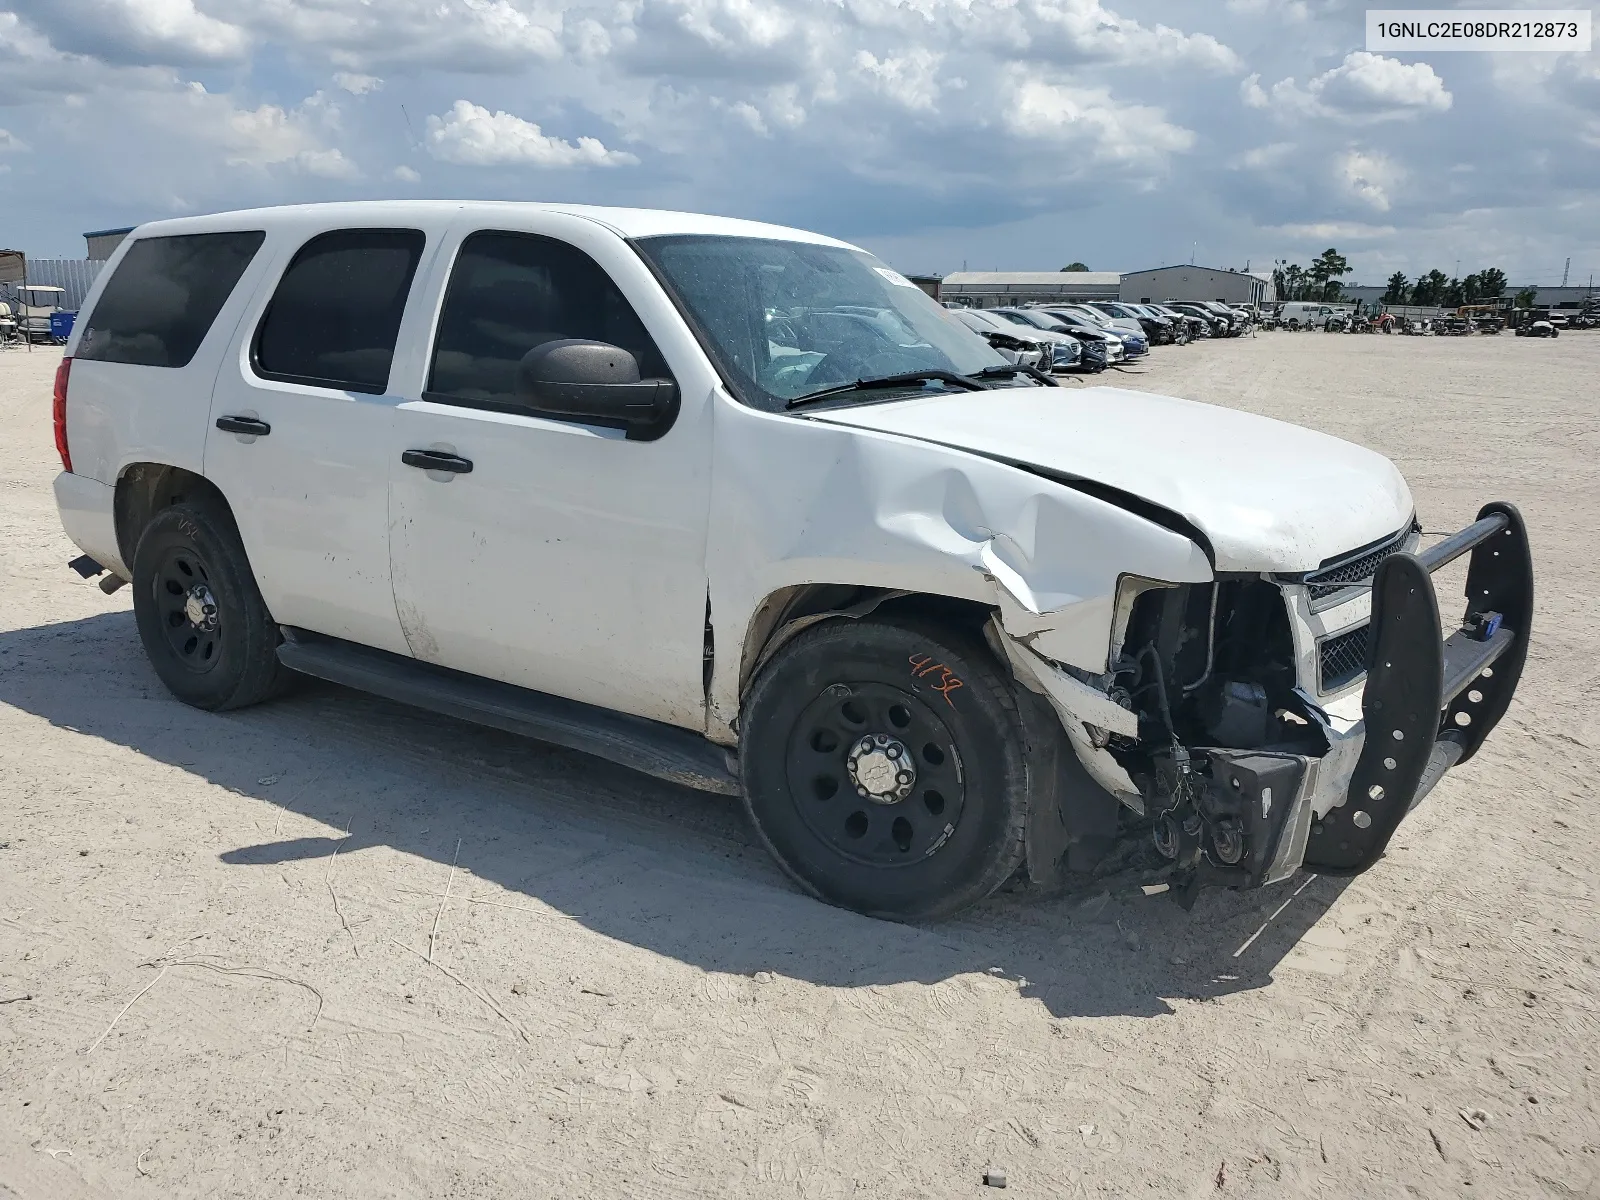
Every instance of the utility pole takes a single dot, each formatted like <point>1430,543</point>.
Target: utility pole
<point>1566,270</point>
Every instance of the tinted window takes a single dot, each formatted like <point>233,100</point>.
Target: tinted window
<point>510,292</point>
<point>336,314</point>
<point>163,297</point>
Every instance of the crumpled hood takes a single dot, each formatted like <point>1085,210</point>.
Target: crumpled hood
<point>1269,496</point>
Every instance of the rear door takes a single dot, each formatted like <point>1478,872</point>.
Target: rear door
<point>555,555</point>
<point>301,416</point>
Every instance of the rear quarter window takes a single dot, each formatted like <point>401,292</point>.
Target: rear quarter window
<point>163,297</point>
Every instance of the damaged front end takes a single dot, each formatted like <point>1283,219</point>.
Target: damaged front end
<point>1261,723</point>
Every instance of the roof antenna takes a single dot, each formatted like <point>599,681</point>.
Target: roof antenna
<point>410,133</point>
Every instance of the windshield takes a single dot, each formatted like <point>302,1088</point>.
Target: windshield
<point>784,319</point>
<point>1043,320</point>
<point>981,321</point>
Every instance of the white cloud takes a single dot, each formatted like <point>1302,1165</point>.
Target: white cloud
<point>946,129</point>
<point>357,84</point>
<point>1259,158</point>
<point>1114,132</point>
<point>471,135</point>
<point>1372,83</point>
<point>1364,88</point>
<point>911,80</point>
<point>1369,177</point>
<point>1333,231</point>
<point>10,143</point>
<point>167,32</point>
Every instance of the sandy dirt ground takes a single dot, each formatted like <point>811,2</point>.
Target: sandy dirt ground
<point>215,930</point>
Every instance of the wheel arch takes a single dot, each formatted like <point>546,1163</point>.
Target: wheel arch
<point>787,611</point>
<point>145,488</point>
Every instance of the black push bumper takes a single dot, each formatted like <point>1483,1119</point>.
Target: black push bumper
<point>1430,700</point>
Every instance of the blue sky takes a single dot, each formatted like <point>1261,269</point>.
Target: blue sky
<point>1012,134</point>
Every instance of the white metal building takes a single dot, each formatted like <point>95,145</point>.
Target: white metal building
<point>993,289</point>
<point>102,242</point>
<point>1189,282</point>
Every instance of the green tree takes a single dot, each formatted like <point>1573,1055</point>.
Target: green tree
<point>1453,295</point>
<point>1492,283</point>
<point>1294,281</point>
<point>1430,288</point>
<point>1324,272</point>
<point>1526,297</point>
<point>1398,289</point>
<point>1075,266</point>
<point>1471,289</point>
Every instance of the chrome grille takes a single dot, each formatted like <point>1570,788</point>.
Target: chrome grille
<point>1362,567</point>
<point>1344,657</point>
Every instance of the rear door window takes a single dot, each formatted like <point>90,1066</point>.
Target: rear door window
<point>336,314</point>
<point>511,292</point>
<point>165,293</point>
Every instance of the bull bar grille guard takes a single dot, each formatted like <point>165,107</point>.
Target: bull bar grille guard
<point>1430,700</point>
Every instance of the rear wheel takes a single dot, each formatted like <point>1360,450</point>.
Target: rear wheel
<point>204,625</point>
<point>883,767</point>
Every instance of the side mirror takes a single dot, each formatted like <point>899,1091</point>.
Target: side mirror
<point>594,383</point>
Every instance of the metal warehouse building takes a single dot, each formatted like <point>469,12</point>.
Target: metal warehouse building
<point>1190,282</point>
<point>104,242</point>
<point>992,289</point>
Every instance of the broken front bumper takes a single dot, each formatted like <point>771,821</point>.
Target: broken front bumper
<point>1430,700</point>
<point>1428,703</point>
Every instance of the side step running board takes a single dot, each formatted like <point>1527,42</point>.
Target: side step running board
<point>652,747</point>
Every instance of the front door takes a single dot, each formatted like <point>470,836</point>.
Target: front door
<point>545,553</point>
<point>301,418</point>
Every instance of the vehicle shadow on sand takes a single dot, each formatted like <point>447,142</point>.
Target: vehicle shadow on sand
<point>665,868</point>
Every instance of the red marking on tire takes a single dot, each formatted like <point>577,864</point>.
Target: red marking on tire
<point>947,681</point>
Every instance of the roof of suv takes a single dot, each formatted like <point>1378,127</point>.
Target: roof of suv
<point>626,222</point>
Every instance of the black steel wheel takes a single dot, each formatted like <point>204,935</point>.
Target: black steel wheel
<point>883,766</point>
<point>884,769</point>
<point>190,622</point>
<point>204,625</point>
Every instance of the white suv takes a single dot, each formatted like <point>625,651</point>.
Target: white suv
<point>741,507</point>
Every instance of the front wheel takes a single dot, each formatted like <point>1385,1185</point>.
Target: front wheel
<point>202,620</point>
<point>883,767</point>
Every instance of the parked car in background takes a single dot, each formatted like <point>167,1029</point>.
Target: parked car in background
<point>1217,326</point>
<point>1057,352</point>
<point>1133,344</point>
<point>1311,314</point>
<point>1105,320</point>
<point>1178,325</point>
<point>1108,344</point>
<point>1235,319</point>
<point>1014,345</point>
<point>1157,329</point>
<point>1195,326</point>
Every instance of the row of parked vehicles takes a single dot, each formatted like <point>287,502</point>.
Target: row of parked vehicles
<point>1088,337</point>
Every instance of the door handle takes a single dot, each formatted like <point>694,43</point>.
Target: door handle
<point>437,460</point>
<point>244,425</point>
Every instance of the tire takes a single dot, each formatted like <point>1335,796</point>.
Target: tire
<point>204,626</point>
<point>931,847</point>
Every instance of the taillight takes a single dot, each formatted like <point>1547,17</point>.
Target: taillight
<point>58,412</point>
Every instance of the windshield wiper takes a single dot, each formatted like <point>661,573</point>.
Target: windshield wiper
<point>1011,371</point>
<point>890,381</point>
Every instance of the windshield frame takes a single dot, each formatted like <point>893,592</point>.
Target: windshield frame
<point>750,392</point>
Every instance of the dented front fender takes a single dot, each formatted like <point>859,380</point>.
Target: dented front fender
<point>798,502</point>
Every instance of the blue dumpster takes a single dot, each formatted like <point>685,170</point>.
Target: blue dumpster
<point>61,325</point>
